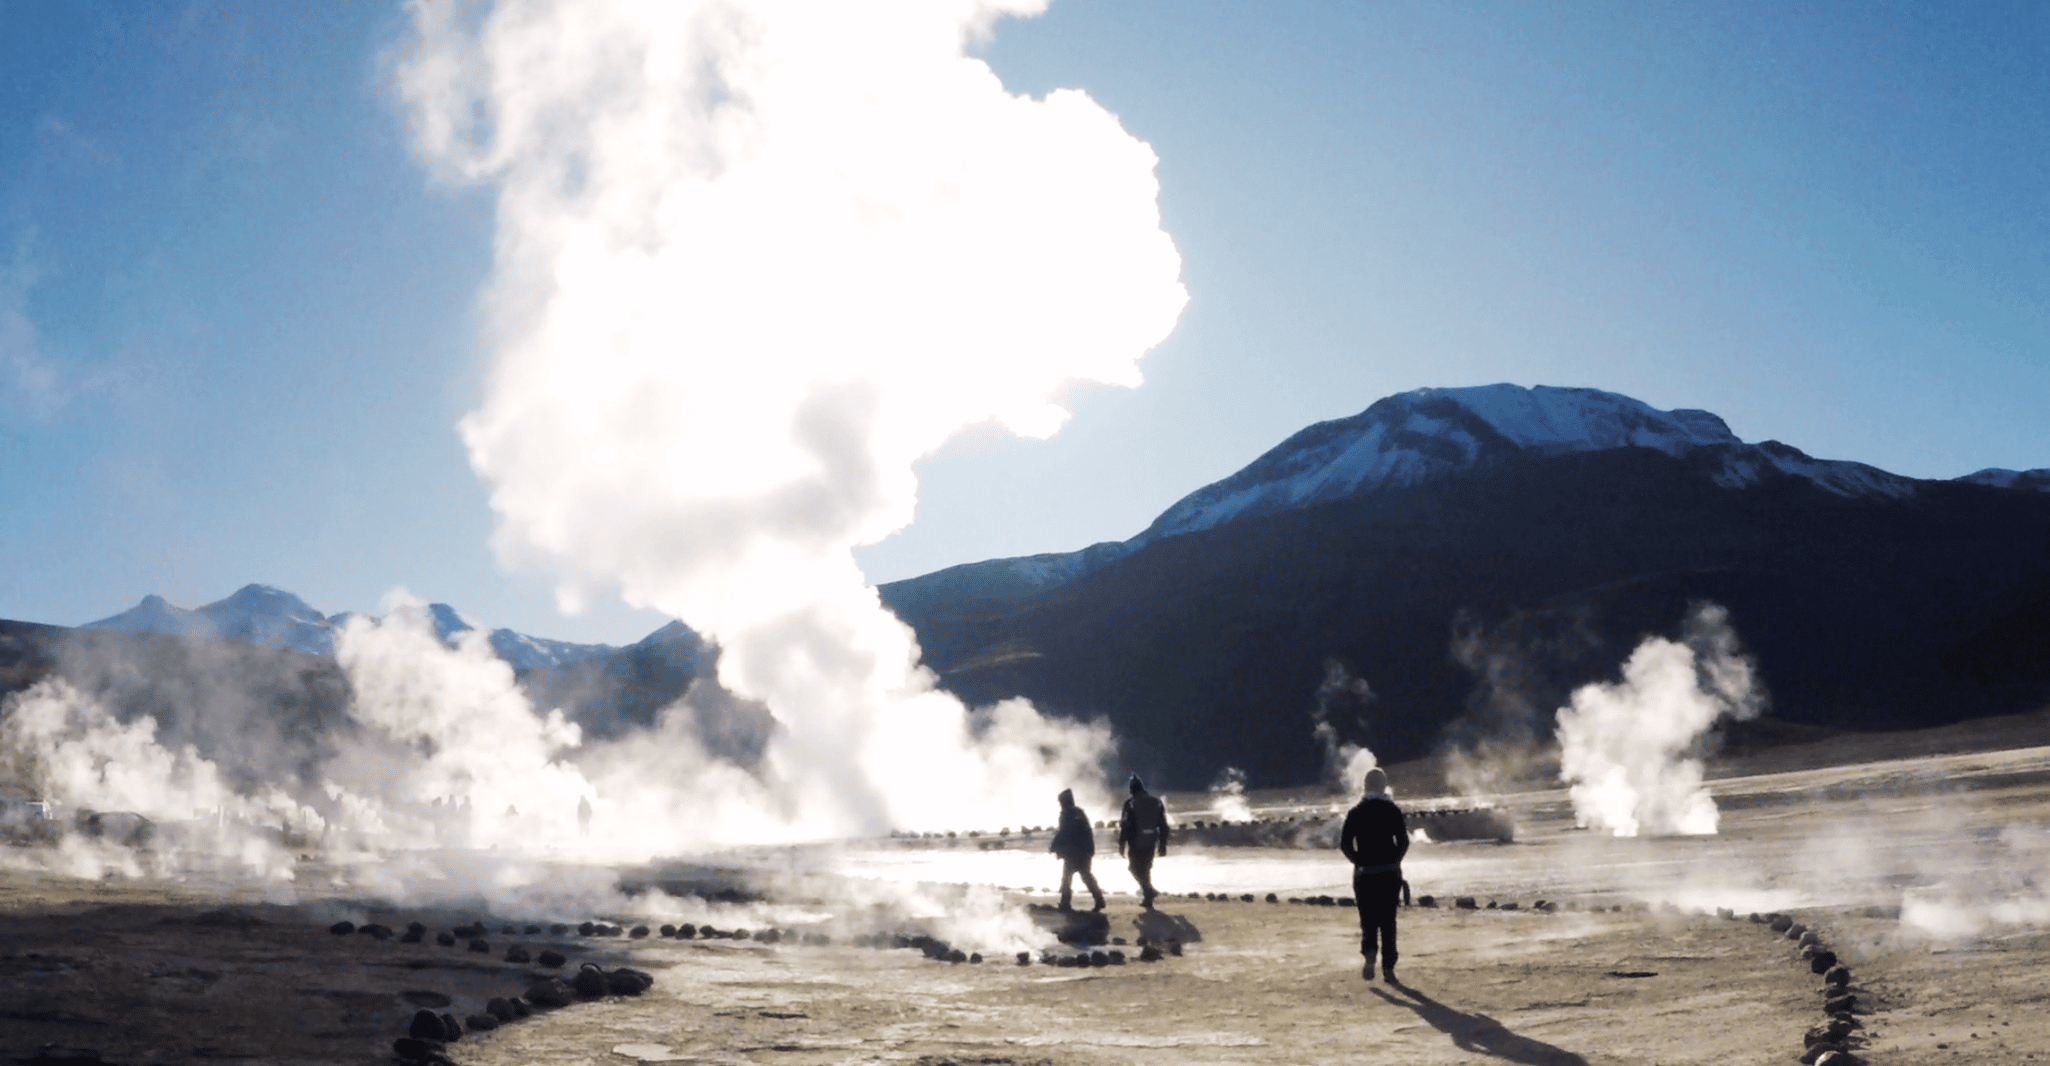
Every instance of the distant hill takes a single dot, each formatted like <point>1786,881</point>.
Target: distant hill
<point>1551,527</point>
<point>274,618</point>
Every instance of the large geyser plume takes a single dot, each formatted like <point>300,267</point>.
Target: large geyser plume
<point>754,260</point>
<point>1630,750</point>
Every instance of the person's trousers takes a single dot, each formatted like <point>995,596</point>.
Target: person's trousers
<point>1376,895</point>
<point>1071,867</point>
<point>1141,863</point>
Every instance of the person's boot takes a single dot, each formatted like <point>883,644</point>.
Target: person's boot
<point>1367,970</point>
<point>1067,902</point>
<point>1099,905</point>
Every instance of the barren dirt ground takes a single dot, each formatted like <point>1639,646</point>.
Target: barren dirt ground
<point>1925,875</point>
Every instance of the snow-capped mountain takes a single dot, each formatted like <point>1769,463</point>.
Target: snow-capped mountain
<point>1429,434</point>
<point>1411,439</point>
<point>274,618</point>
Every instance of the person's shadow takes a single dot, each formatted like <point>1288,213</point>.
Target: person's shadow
<point>1479,1033</point>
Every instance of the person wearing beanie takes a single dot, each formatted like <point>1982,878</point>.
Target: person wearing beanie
<point>1142,833</point>
<point>1075,843</point>
<point>1374,840</point>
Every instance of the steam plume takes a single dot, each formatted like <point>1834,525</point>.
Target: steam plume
<point>1345,763</point>
<point>1228,795</point>
<point>1630,750</point>
<point>754,260</point>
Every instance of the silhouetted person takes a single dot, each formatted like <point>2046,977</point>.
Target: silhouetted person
<point>1374,840</point>
<point>584,816</point>
<point>1075,843</point>
<point>1142,833</point>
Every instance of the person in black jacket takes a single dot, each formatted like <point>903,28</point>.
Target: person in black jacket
<point>1142,832</point>
<point>1075,843</point>
<point>1374,840</point>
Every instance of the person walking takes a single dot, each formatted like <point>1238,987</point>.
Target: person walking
<point>1075,843</point>
<point>1374,840</point>
<point>1142,833</point>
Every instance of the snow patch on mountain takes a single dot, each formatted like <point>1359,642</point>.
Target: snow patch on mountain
<point>2037,480</point>
<point>1429,434</point>
<point>274,618</point>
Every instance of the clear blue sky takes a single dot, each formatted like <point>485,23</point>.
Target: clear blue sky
<point>236,320</point>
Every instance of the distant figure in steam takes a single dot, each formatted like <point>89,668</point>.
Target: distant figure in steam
<point>584,817</point>
<point>1142,833</point>
<point>1075,843</point>
<point>1374,840</point>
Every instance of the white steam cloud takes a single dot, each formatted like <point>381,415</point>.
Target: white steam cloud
<point>1630,751</point>
<point>1228,796</point>
<point>755,259</point>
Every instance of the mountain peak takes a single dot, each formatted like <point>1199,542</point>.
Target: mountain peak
<point>1426,434</point>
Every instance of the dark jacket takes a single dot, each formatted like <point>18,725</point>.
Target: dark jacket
<point>1144,824</point>
<point>1375,836</point>
<point>1073,839</point>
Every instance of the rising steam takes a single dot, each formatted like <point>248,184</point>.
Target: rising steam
<point>1345,763</point>
<point>1630,751</point>
<point>754,261</point>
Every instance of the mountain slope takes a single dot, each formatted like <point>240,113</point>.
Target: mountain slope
<point>1409,439</point>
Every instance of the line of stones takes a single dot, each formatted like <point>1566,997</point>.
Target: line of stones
<point>1828,1044</point>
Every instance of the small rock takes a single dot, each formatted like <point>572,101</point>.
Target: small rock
<point>1149,953</point>
<point>1117,958</point>
<point>410,937</point>
<point>587,929</point>
<point>975,958</point>
<point>668,931</point>
<point>1099,958</point>
<point>481,1023</point>
<point>551,958</point>
<point>1510,906</point>
<point>1427,901</point>
<point>1837,977</point>
<point>480,945</point>
<point>500,1008</point>
<point>415,1049</point>
<point>558,929</point>
<point>517,953</point>
<point>1779,923</point>
<point>639,932</point>
<point>508,930</point>
<point>520,1008</point>
<point>447,940</point>
<point>1344,901</point>
<point>1808,937</point>
<point>1272,898</point>
<point>550,992</point>
<point>374,930</point>
<point>626,981</point>
<point>1844,1002</point>
<point>590,981</point>
<point>451,1030</point>
<point>1466,903</point>
<point>686,931</point>
<point>1836,1057</point>
<point>1822,962</point>
<point>1024,958</point>
<point>342,928</point>
<point>532,930</point>
<point>426,1026</point>
<point>1794,930</point>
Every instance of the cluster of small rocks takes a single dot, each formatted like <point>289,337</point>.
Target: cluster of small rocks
<point>1830,1043</point>
<point>1469,903</point>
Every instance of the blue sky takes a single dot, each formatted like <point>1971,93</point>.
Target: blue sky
<point>236,320</point>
